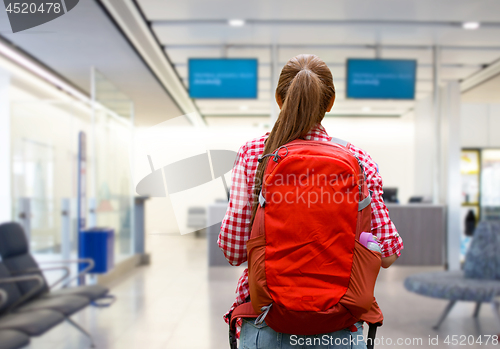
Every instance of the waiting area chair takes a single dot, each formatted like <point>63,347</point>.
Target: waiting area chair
<point>11,339</point>
<point>32,307</point>
<point>14,250</point>
<point>496,310</point>
<point>15,327</point>
<point>479,281</point>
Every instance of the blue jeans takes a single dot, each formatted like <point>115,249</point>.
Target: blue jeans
<point>264,337</point>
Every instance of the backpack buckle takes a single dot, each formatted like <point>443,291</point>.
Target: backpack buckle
<point>261,317</point>
<point>262,200</point>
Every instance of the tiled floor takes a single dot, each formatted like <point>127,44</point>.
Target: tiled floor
<point>177,302</point>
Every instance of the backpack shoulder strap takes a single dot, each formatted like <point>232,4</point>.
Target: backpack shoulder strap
<point>242,310</point>
<point>340,142</point>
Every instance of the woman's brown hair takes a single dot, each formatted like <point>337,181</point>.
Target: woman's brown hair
<point>305,88</point>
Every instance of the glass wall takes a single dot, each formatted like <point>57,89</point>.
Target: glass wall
<point>490,184</point>
<point>44,140</point>
<point>114,189</point>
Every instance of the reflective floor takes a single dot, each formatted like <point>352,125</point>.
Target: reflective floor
<point>177,302</point>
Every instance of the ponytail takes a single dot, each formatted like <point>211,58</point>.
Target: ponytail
<point>306,87</point>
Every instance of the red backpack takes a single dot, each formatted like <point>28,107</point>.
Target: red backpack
<point>308,272</point>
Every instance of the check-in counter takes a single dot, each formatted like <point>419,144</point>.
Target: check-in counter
<point>423,229</point>
<point>215,255</point>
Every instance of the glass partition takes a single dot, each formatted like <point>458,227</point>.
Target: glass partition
<point>44,140</point>
<point>44,158</point>
<point>490,184</point>
<point>114,192</point>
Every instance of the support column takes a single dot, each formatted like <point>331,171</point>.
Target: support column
<point>450,170</point>
<point>425,139</point>
<point>92,164</point>
<point>24,218</point>
<point>378,51</point>
<point>66,228</point>
<point>5,149</point>
<point>133,212</point>
<point>436,55</point>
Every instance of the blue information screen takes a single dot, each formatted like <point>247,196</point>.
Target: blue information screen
<point>222,78</point>
<point>381,78</point>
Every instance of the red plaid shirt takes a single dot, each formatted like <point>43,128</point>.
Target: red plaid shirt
<point>235,229</point>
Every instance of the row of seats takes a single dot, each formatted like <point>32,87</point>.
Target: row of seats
<point>28,305</point>
<point>478,282</point>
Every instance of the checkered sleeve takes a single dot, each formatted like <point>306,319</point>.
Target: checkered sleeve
<point>235,228</point>
<point>242,294</point>
<point>382,226</point>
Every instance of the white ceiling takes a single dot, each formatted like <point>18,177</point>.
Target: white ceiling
<point>430,10</point>
<point>333,30</point>
<point>86,37</point>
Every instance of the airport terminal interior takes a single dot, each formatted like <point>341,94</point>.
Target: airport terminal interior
<point>120,123</point>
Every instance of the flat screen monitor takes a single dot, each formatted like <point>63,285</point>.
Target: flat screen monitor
<point>390,195</point>
<point>381,78</point>
<point>222,78</point>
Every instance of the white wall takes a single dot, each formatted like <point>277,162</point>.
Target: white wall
<point>42,125</point>
<point>424,148</point>
<point>167,144</point>
<point>390,142</point>
<point>5,199</point>
<point>480,125</point>
<point>450,183</point>
<point>479,128</point>
<point>43,147</point>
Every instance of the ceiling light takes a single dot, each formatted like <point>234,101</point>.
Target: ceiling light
<point>471,25</point>
<point>244,107</point>
<point>366,109</point>
<point>236,22</point>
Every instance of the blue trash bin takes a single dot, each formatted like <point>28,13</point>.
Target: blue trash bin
<point>98,244</point>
